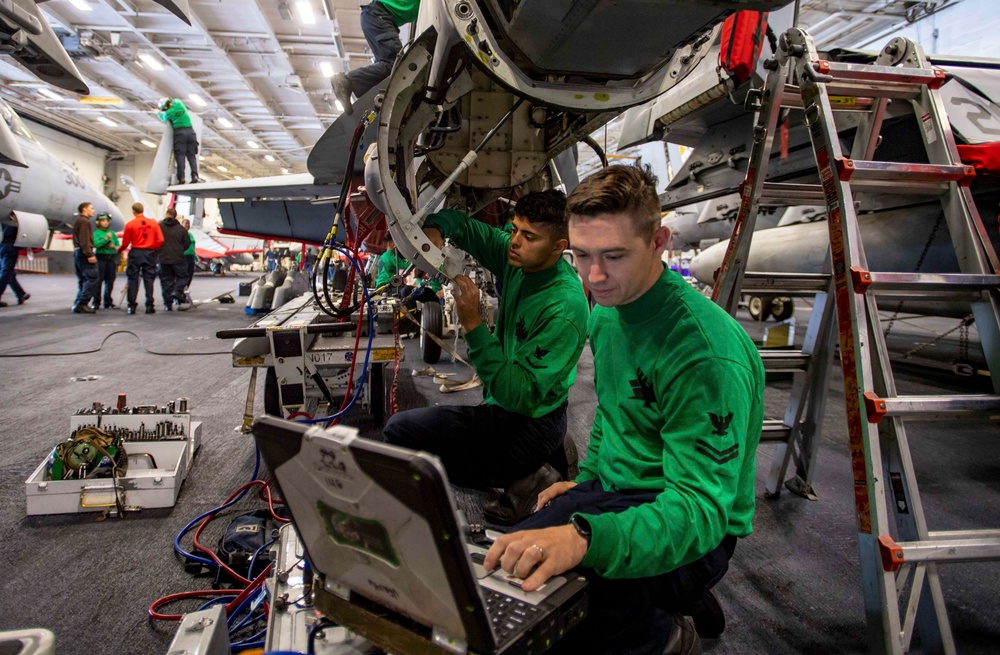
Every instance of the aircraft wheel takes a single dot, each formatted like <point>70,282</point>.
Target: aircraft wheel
<point>431,322</point>
<point>272,403</point>
<point>782,308</point>
<point>759,309</point>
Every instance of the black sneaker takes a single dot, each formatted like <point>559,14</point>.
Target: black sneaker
<point>23,299</point>
<point>3,304</point>
<point>520,497</point>
<point>131,309</point>
<point>150,309</point>
<point>683,640</point>
<point>83,309</point>
<point>709,619</point>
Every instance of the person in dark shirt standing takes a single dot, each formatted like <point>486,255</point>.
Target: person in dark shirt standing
<point>145,237</point>
<point>8,260</point>
<point>173,264</point>
<point>84,261</point>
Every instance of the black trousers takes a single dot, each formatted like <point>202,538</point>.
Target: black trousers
<point>629,616</point>
<point>173,280</point>
<point>190,268</point>
<point>141,264</point>
<point>480,446</point>
<point>185,148</point>
<point>107,271</point>
<point>382,36</point>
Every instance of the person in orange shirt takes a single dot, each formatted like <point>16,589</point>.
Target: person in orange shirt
<point>145,237</point>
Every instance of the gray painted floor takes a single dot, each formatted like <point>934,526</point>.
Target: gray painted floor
<point>794,586</point>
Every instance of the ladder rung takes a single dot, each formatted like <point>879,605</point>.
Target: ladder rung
<point>963,534</point>
<point>786,283</point>
<point>846,96</point>
<point>972,406</point>
<point>895,554</point>
<point>774,430</point>
<point>778,361</point>
<point>929,284</point>
<point>783,193</point>
<point>901,175</point>
<point>879,76</point>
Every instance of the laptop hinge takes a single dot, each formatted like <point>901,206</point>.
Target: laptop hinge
<point>453,644</point>
<point>337,589</point>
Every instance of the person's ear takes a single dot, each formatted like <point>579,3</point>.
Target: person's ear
<point>661,237</point>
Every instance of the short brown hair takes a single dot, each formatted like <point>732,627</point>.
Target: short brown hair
<point>82,206</point>
<point>137,208</point>
<point>170,213</point>
<point>629,190</point>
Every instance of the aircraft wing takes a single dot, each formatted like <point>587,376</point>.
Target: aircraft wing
<point>301,185</point>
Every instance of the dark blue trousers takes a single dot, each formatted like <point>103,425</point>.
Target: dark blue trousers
<point>629,616</point>
<point>86,275</point>
<point>8,276</point>
<point>480,446</point>
<point>107,271</point>
<point>173,281</point>
<point>141,264</point>
<point>382,35</point>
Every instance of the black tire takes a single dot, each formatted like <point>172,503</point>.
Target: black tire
<point>431,322</point>
<point>782,308</point>
<point>759,308</point>
<point>272,401</point>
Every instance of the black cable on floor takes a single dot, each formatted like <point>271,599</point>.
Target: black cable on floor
<point>105,340</point>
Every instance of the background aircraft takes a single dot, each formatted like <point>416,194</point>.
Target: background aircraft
<point>44,195</point>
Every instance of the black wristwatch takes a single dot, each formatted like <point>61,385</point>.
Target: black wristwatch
<point>582,527</point>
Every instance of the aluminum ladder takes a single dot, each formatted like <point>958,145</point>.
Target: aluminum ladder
<point>897,550</point>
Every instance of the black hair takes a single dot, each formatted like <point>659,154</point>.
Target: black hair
<point>545,208</point>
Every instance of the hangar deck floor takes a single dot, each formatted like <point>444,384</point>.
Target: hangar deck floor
<point>793,587</point>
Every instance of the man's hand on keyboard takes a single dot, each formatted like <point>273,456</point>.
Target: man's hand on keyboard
<point>537,555</point>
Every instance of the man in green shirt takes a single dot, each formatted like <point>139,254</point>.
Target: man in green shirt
<point>667,485</point>
<point>380,22</point>
<point>527,365</point>
<point>106,248</point>
<point>389,265</point>
<point>173,111</point>
<point>190,255</point>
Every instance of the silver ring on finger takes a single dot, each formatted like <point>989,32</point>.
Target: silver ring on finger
<point>541,551</point>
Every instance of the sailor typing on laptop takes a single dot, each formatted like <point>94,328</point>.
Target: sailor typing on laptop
<point>667,484</point>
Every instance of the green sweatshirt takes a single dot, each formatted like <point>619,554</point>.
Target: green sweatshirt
<point>190,249</point>
<point>403,11</point>
<point>176,114</point>
<point>680,406</point>
<point>105,242</point>
<point>529,364</point>
<point>389,264</point>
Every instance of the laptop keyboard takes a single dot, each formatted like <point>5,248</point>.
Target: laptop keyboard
<point>508,615</point>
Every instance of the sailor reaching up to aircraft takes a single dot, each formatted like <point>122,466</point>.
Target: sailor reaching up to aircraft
<point>172,110</point>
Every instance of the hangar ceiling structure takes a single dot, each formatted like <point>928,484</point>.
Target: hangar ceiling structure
<point>258,71</point>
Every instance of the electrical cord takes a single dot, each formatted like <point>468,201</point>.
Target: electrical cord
<point>105,340</point>
<point>314,632</point>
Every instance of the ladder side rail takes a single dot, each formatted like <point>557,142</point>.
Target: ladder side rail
<point>973,247</point>
<point>884,627</point>
<point>726,292</point>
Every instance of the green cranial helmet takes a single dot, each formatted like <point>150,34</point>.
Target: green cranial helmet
<point>104,217</point>
<point>163,103</point>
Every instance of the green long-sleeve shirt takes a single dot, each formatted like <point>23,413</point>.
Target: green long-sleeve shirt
<point>389,264</point>
<point>190,249</point>
<point>680,394</point>
<point>176,114</point>
<point>402,11</point>
<point>105,242</point>
<point>529,364</point>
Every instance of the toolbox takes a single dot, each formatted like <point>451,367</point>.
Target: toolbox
<point>160,447</point>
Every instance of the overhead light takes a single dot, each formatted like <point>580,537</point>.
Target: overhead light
<point>222,169</point>
<point>50,94</point>
<point>151,61</point>
<point>107,121</point>
<point>253,144</point>
<point>269,157</point>
<point>147,143</point>
<point>306,14</point>
<point>339,105</point>
<point>224,122</point>
<point>198,100</point>
<point>82,5</point>
<point>285,171</point>
<point>326,68</point>
<point>237,177</point>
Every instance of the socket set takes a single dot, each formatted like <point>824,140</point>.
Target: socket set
<point>168,422</point>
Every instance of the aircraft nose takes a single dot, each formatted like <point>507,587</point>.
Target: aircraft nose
<point>705,263</point>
